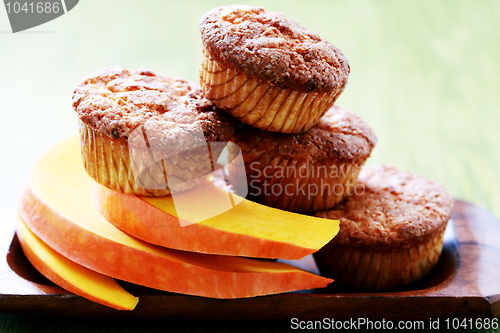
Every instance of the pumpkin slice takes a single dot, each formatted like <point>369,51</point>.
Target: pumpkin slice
<point>58,206</point>
<point>243,229</point>
<point>71,276</point>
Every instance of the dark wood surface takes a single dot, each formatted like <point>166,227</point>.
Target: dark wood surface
<point>465,283</point>
<point>423,77</point>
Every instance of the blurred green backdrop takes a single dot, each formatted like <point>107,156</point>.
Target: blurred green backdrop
<point>425,76</point>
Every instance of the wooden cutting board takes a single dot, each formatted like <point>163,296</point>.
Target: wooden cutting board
<point>465,283</point>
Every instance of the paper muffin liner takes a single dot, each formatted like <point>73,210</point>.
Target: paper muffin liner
<point>109,163</point>
<point>236,170</point>
<point>259,104</point>
<point>365,270</point>
<point>301,186</point>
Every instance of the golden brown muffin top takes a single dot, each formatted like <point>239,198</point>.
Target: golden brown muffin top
<point>391,209</point>
<point>339,135</point>
<point>115,101</point>
<point>271,47</point>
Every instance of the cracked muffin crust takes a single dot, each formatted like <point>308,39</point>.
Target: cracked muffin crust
<point>115,101</point>
<point>309,171</point>
<point>391,230</point>
<point>120,110</point>
<point>267,70</point>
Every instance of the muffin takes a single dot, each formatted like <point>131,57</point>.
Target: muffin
<point>147,134</point>
<point>267,71</point>
<point>304,172</point>
<point>391,231</point>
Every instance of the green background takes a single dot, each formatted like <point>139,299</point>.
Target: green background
<point>425,77</point>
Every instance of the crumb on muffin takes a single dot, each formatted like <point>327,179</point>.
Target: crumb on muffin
<point>274,48</point>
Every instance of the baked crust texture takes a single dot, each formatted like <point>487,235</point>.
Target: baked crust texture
<point>390,210</point>
<point>273,48</point>
<point>115,101</point>
<point>340,135</point>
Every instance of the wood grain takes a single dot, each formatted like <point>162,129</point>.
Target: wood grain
<point>424,76</point>
<point>463,284</point>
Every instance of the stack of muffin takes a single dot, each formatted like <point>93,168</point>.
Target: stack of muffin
<point>301,152</point>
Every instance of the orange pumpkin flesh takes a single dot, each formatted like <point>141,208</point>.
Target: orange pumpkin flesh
<point>57,206</point>
<point>248,229</point>
<point>71,276</point>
